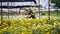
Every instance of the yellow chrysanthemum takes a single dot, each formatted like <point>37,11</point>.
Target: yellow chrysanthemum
<point>22,32</point>
<point>0,21</point>
<point>47,33</point>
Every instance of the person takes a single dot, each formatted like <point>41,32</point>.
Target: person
<point>31,13</point>
<point>31,10</point>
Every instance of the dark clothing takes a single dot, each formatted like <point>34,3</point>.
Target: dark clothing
<point>32,15</point>
<point>29,12</point>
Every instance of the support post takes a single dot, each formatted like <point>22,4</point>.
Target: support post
<point>49,9</point>
<point>1,14</point>
<point>8,9</point>
<point>39,8</point>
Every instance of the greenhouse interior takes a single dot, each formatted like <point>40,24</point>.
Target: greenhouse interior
<point>29,16</point>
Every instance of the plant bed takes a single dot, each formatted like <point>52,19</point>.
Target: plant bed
<point>30,26</point>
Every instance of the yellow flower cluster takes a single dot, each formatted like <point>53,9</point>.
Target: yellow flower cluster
<point>30,26</point>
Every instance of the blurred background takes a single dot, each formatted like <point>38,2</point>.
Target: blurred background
<point>18,7</point>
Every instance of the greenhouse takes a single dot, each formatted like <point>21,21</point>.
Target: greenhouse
<point>29,17</point>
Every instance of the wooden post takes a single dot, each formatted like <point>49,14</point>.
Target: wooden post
<point>39,8</point>
<point>22,4</point>
<point>11,10</point>
<point>8,9</point>
<point>49,9</point>
<point>56,9</point>
<point>1,14</point>
<point>14,9</point>
<point>19,11</point>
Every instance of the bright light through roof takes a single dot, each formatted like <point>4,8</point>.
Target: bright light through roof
<point>42,2</point>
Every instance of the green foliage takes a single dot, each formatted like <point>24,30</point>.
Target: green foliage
<point>43,13</point>
<point>57,2</point>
